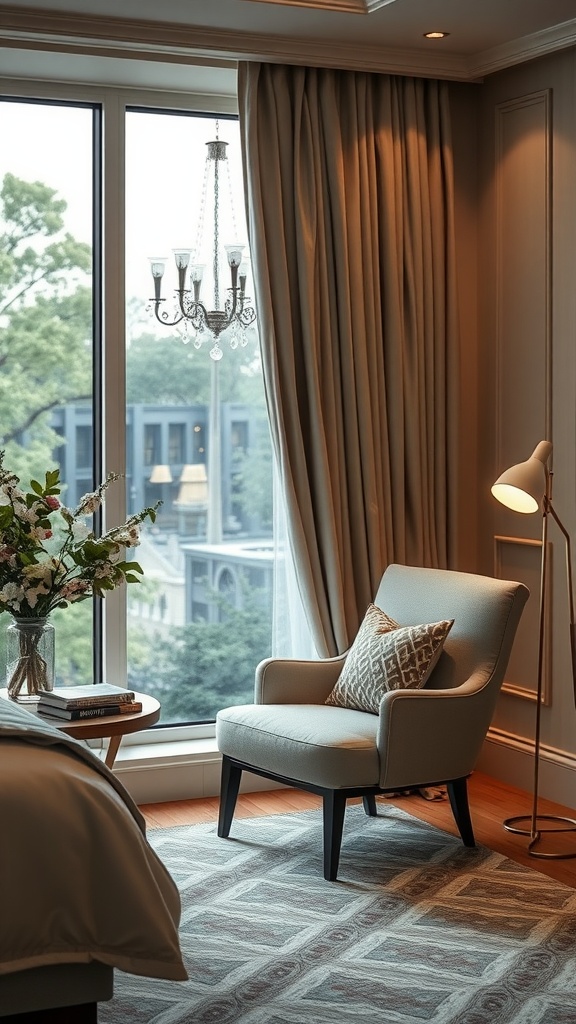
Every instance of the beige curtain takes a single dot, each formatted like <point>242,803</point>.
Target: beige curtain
<point>349,196</point>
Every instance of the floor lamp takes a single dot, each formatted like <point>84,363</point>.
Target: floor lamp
<point>526,488</point>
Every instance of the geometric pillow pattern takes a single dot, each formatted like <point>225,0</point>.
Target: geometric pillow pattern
<point>386,656</point>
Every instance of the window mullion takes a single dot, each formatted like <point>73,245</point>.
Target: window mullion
<point>113,363</point>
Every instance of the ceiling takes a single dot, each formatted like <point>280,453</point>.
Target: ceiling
<point>177,44</point>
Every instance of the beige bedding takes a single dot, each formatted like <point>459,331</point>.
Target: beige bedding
<point>78,880</point>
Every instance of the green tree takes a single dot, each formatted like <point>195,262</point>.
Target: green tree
<point>163,369</point>
<point>253,480</point>
<point>45,326</point>
<point>45,321</point>
<point>202,667</point>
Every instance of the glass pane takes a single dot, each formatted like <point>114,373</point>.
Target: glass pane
<point>197,430</point>
<point>46,161</point>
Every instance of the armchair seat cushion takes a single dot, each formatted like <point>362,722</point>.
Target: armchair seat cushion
<point>321,745</point>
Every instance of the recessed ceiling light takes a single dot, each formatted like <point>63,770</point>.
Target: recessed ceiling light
<point>436,35</point>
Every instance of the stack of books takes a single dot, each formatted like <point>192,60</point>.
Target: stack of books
<point>75,703</point>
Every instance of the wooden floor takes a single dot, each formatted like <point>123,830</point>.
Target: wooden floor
<point>490,802</point>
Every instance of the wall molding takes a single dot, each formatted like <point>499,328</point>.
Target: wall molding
<point>140,39</point>
<point>349,6</point>
<point>525,745</point>
<point>510,758</point>
<point>500,571</point>
<point>538,44</point>
<point>35,28</point>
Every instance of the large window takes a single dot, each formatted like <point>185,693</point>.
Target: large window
<point>194,641</point>
<point>185,430</point>
<point>46,322</point>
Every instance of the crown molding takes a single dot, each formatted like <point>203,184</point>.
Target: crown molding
<point>40,29</point>
<point>539,44</point>
<point>151,40</point>
<point>346,6</point>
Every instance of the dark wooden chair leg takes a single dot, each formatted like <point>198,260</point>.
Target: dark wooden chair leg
<point>458,795</point>
<point>229,786</point>
<point>334,808</point>
<point>370,805</point>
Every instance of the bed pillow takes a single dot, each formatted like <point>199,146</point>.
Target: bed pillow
<point>386,656</point>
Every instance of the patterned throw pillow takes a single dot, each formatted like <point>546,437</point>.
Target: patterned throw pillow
<point>386,656</point>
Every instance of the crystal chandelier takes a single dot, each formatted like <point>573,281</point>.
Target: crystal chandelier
<point>189,312</point>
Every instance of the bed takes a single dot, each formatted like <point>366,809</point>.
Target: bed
<point>81,892</point>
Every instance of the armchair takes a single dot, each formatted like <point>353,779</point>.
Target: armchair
<point>420,737</point>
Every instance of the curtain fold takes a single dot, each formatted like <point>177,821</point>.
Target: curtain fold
<point>349,197</point>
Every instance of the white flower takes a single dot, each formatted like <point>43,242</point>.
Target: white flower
<point>14,493</point>
<point>88,504</point>
<point>33,582</point>
<point>79,530</point>
<point>74,590</point>
<point>40,533</point>
<point>104,571</point>
<point>25,514</point>
<point>41,571</point>
<point>34,593</point>
<point>8,556</point>
<point>12,595</point>
<point>129,538</point>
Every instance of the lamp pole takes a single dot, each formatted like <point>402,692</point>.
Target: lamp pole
<point>522,488</point>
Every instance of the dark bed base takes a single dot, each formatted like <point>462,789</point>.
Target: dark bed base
<point>55,994</point>
<point>86,1013</point>
<point>334,806</point>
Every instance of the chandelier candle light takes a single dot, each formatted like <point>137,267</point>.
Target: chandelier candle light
<point>237,313</point>
<point>526,488</point>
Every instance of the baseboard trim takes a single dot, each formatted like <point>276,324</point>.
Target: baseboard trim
<point>510,758</point>
<point>157,773</point>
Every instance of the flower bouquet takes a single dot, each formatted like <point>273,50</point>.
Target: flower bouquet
<point>50,558</point>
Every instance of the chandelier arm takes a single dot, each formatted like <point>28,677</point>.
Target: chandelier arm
<point>194,311</point>
<point>246,316</point>
<point>163,318</point>
<point>187,304</point>
<point>236,313</point>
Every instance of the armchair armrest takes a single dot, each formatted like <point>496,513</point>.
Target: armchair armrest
<point>427,736</point>
<point>295,681</point>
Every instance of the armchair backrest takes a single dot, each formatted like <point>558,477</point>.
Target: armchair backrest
<point>486,612</point>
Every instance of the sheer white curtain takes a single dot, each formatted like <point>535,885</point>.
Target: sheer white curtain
<point>291,634</point>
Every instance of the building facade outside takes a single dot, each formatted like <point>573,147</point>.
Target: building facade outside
<point>166,460</point>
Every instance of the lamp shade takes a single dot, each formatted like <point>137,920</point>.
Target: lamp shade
<point>161,475</point>
<point>193,472</point>
<point>193,486</point>
<point>522,487</point>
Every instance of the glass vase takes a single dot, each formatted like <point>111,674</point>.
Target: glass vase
<point>29,658</point>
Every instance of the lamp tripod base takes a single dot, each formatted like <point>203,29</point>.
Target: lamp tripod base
<point>536,831</point>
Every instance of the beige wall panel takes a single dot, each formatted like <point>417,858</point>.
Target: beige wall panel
<point>523,365</point>
<point>522,268</point>
<point>464,108</point>
<point>516,558</point>
<point>527,386</point>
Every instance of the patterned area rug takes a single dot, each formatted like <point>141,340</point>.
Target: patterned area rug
<point>417,929</point>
